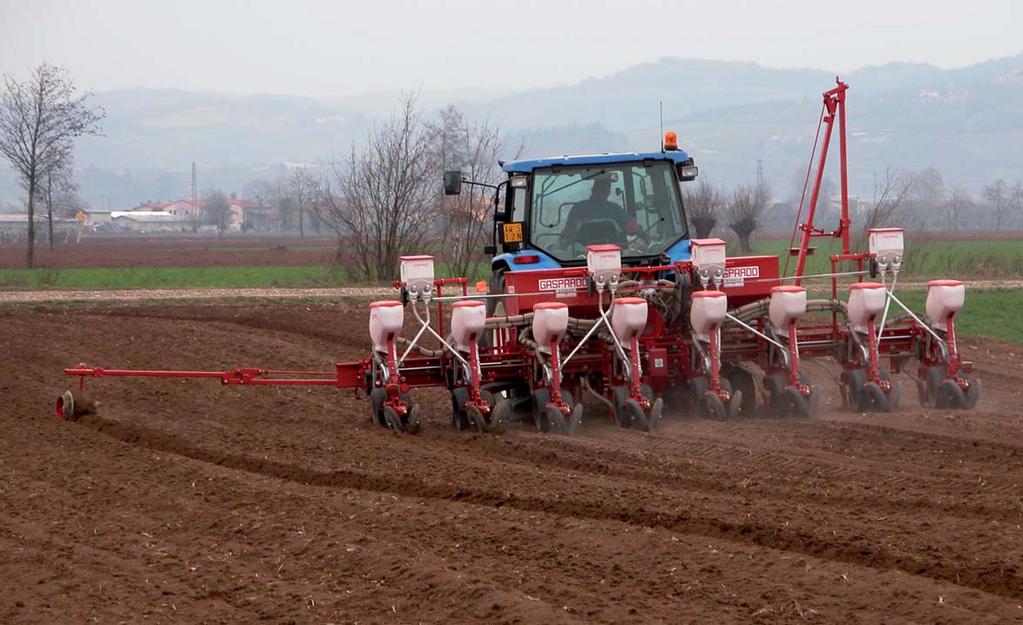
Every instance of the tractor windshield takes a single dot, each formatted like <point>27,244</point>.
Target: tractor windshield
<point>632,205</point>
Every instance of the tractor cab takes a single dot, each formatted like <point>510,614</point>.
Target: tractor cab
<point>553,208</point>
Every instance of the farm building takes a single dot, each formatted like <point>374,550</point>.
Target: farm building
<point>14,226</point>
<point>150,221</point>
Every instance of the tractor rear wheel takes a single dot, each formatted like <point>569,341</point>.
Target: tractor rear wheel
<point>412,424</point>
<point>392,419</point>
<point>744,382</point>
<point>541,397</point>
<point>501,414</point>
<point>950,395</point>
<point>556,420</point>
<point>377,397</point>
<point>855,390</point>
<point>713,408</point>
<point>475,418</point>
<point>636,415</point>
<point>973,393</point>
<point>459,397</point>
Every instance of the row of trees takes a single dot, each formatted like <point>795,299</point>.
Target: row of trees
<point>741,209</point>
<point>383,196</point>
<point>911,199</point>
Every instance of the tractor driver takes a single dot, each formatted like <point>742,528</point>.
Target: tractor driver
<point>597,208</point>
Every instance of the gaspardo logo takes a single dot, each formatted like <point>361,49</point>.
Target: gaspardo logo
<point>561,284</point>
<point>737,276</point>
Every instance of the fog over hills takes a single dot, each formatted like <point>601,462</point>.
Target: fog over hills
<point>967,122</point>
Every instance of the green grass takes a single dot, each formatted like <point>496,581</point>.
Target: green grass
<point>991,314</point>
<point>190,277</point>
<point>171,277</point>
<point>924,259</point>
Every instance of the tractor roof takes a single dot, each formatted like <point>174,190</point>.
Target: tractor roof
<point>528,165</point>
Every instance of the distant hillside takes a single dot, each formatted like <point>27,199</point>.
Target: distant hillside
<point>967,122</point>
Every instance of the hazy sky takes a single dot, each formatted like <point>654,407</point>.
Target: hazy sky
<point>342,48</point>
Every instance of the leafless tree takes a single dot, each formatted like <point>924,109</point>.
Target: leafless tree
<point>276,195</point>
<point>39,121</point>
<point>959,202</point>
<point>929,187</point>
<point>381,199</point>
<point>1016,197</point>
<point>891,195</point>
<point>216,210</point>
<point>472,148</point>
<point>58,183</point>
<point>745,208</point>
<point>705,204</point>
<point>801,189</point>
<point>996,199</point>
<point>302,187</point>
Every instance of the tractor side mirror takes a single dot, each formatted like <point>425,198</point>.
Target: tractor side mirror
<point>452,182</point>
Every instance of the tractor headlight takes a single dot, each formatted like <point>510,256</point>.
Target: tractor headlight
<point>518,182</point>
<point>688,172</point>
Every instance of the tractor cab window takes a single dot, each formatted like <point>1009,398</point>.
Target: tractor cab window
<point>516,203</point>
<point>632,205</point>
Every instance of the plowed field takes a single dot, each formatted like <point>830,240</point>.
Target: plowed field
<point>189,502</point>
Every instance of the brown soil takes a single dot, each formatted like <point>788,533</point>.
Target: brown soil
<point>189,502</point>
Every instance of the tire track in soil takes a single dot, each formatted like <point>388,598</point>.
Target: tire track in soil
<point>698,475</point>
<point>992,578</point>
<point>830,464</point>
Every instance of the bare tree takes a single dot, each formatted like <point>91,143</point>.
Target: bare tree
<point>1016,197</point>
<point>216,210</point>
<point>959,202</point>
<point>303,188</point>
<point>996,198</point>
<point>745,208</point>
<point>473,149</point>
<point>39,120</point>
<point>891,194</point>
<point>705,203</point>
<point>381,200</point>
<point>929,186</point>
<point>800,191</point>
<point>58,185</point>
<point>276,195</point>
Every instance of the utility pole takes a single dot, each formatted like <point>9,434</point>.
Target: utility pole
<point>195,207</point>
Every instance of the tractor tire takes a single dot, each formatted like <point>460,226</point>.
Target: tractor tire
<point>791,403</point>
<point>475,419</point>
<point>556,420</point>
<point>412,423</point>
<point>393,420</point>
<point>950,395</point>
<point>973,394</point>
<point>636,415</point>
<point>459,419</point>
<point>541,397</point>
<point>873,399</point>
<point>501,415</point>
<point>855,389</point>
<point>656,406</point>
<point>933,377</point>
<point>377,398</point>
<point>743,381</point>
<point>713,408</point>
<point>619,395</point>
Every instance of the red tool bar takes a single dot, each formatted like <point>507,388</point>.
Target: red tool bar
<point>346,375</point>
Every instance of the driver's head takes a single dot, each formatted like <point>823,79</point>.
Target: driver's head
<point>601,187</point>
